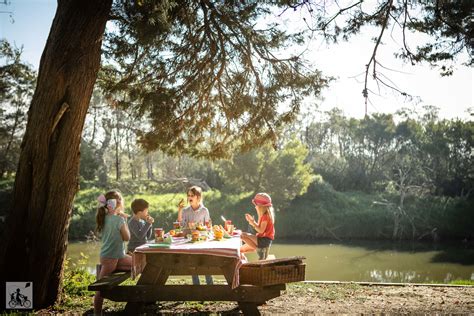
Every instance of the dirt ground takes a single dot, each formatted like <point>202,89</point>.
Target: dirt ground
<point>347,298</point>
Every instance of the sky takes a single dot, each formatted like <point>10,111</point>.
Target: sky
<point>346,61</point>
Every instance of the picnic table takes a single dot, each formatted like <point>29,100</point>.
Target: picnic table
<point>155,263</point>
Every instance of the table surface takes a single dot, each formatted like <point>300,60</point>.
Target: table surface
<point>185,245</point>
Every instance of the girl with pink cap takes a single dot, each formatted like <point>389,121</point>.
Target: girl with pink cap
<point>264,226</point>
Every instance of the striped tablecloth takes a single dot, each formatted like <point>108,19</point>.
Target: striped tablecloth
<point>223,248</point>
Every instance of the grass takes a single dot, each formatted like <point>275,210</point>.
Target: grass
<point>462,282</point>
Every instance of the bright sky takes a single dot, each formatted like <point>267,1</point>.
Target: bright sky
<point>454,95</point>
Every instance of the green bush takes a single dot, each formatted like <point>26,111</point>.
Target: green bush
<point>320,213</point>
<point>76,277</point>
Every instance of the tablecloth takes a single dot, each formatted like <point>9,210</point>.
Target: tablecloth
<point>224,248</point>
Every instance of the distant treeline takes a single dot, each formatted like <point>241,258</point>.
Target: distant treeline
<point>320,213</point>
<point>409,175</point>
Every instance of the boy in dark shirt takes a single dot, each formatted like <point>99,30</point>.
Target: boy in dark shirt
<point>140,225</point>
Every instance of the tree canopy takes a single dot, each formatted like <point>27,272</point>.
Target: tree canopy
<point>205,77</point>
<point>436,32</point>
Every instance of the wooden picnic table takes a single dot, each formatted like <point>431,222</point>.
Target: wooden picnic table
<point>202,258</point>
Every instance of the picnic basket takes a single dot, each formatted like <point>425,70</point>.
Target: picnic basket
<point>270,272</point>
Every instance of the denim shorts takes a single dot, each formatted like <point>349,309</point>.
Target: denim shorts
<point>264,242</point>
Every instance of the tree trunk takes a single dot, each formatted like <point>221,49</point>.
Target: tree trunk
<point>47,177</point>
<point>130,155</point>
<point>149,167</point>
<point>103,169</point>
<point>118,173</point>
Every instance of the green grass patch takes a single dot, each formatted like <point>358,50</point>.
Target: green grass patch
<point>462,282</point>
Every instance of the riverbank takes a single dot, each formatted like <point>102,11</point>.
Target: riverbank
<point>316,297</point>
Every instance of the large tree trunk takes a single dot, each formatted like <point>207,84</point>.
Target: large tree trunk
<point>47,175</point>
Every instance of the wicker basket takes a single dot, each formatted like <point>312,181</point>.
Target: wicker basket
<point>270,272</point>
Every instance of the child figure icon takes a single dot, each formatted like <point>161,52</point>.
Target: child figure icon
<point>18,295</point>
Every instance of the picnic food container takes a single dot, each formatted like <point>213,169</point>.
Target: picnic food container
<point>159,233</point>
<point>270,272</point>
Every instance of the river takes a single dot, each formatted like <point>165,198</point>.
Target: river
<point>371,261</point>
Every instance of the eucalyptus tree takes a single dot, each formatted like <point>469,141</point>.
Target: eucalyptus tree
<point>199,74</point>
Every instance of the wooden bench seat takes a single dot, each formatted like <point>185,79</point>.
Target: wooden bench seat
<point>109,281</point>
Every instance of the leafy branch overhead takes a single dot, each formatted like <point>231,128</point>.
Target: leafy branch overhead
<point>435,31</point>
<point>204,77</point>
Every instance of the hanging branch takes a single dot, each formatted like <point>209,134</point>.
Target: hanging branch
<point>372,60</point>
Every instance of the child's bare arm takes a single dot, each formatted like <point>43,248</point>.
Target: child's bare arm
<point>259,228</point>
<point>125,232</point>
<point>180,210</point>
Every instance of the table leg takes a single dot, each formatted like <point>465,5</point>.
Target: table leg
<point>228,272</point>
<point>249,309</point>
<point>151,275</point>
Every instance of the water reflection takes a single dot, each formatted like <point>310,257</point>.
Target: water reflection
<point>391,275</point>
<point>359,261</point>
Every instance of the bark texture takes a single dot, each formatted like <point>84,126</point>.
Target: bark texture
<point>47,175</point>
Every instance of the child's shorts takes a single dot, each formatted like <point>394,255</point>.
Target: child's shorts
<point>264,242</point>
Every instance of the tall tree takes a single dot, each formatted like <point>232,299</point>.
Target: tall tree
<point>46,181</point>
<point>190,69</point>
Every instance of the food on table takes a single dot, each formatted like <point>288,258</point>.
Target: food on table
<point>226,234</point>
<point>172,232</point>
<point>195,235</point>
<point>200,227</point>
<point>179,234</point>
<point>218,235</point>
<point>168,240</point>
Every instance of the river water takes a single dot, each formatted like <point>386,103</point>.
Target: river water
<point>371,261</point>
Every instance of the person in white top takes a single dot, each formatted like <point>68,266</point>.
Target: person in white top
<point>190,216</point>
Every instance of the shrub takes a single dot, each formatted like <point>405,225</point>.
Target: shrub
<point>76,277</point>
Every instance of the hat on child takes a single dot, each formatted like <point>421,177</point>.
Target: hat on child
<point>262,199</point>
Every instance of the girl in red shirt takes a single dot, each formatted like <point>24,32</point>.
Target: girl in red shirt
<point>264,226</point>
